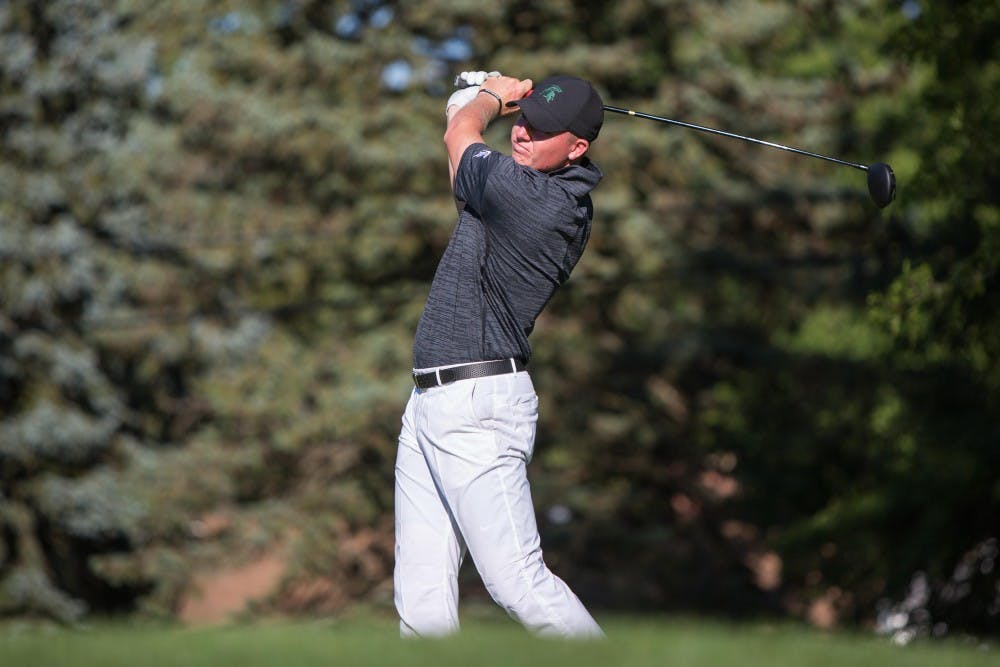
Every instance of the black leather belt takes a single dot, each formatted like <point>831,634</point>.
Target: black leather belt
<point>467,372</point>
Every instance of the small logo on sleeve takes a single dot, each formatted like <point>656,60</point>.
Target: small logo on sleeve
<point>481,154</point>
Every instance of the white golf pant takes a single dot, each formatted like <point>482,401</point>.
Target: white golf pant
<point>461,485</point>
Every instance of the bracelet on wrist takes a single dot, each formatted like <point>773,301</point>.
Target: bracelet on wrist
<point>496,97</point>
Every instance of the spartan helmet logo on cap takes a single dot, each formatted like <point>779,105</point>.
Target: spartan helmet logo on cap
<point>550,93</point>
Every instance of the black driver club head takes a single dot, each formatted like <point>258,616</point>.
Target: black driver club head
<point>881,184</point>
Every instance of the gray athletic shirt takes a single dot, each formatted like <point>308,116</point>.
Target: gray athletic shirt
<point>518,236</point>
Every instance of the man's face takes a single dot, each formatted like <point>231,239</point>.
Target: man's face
<point>541,150</point>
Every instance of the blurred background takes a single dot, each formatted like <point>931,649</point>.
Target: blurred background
<point>760,394</point>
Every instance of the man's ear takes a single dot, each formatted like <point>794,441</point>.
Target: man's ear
<point>577,148</point>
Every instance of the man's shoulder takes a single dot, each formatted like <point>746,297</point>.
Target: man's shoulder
<point>479,151</point>
<point>482,165</point>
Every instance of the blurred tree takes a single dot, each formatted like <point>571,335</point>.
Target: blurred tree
<point>218,224</point>
<point>869,454</point>
<point>943,312</point>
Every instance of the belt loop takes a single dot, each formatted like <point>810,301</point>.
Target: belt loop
<point>437,374</point>
<point>513,365</point>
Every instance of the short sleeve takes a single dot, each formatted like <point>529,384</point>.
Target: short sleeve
<point>477,162</point>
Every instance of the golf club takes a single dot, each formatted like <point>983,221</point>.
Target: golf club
<point>881,179</point>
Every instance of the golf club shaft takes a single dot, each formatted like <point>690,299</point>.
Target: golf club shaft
<point>701,128</point>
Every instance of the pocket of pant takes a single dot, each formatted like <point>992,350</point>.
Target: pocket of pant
<point>520,424</point>
<point>527,412</point>
<point>482,404</point>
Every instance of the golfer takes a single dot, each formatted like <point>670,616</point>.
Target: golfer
<point>469,427</point>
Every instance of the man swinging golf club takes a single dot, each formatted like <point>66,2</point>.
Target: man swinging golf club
<point>469,427</point>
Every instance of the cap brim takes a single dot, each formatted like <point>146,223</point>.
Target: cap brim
<point>538,116</point>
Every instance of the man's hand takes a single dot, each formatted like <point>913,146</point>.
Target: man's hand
<point>468,84</point>
<point>508,89</point>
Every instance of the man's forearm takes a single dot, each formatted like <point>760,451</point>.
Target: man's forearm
<point>466,126</point>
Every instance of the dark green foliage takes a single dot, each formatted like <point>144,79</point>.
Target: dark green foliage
<point>759,393</point>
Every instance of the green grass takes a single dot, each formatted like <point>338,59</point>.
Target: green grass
<point>484,642</point>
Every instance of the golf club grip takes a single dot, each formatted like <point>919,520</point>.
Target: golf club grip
<point>513,103</point>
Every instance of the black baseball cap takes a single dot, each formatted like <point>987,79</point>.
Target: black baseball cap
<point>561,103</point>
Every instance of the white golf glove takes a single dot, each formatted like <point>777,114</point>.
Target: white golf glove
<point>461,97</point>
<point>467,79</point>
<point>468,87</point>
